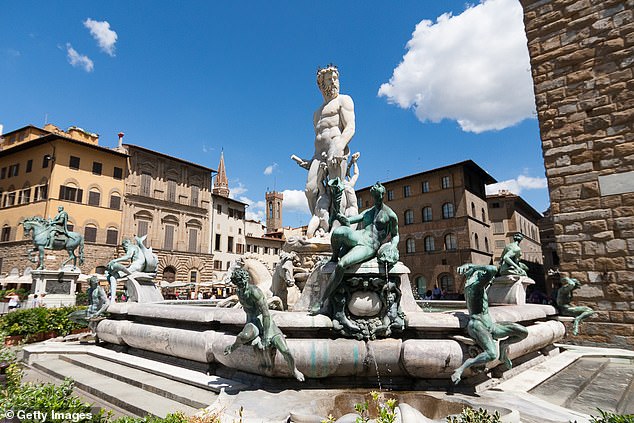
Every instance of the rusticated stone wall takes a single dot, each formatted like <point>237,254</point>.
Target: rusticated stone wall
<point>582,56</point>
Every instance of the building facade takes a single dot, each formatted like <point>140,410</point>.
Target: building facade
<point>581,60</point>
<point>510,214</point>
<point>168,200</point>
<point>443,223</point>
<point>44,168</point>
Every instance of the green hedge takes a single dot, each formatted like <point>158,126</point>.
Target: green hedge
<point>31,321</point>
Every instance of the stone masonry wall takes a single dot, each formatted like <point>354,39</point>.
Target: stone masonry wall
<point>582,56</point>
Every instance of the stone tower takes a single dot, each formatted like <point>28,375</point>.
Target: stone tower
<point>274,211</point>
<point>221,185</point>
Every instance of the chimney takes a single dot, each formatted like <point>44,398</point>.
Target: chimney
<point>121,134</point>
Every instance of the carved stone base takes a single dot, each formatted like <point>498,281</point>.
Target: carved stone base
<point>509,289</point>
<point>59,285</point>
<point>142,289</point>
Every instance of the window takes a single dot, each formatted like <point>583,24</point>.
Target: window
<point>410,245</point>
<point>14,170</point>
<point>476,241</point>
<point>25,196</point>
<point>94,198</point>
<point>70,193</point>
<point>96,168</point>
<point>112,236</point>
<point>70,226</point>
<point>6,234</point>
<point>3,173</point>
<point>498,227</point>
<point>171,191</point>
<point>41,193</point>
<point>446,282</point>
<point>239,231</point>
<point>239,248</point>
<point>390,195</point>
<point>115,202</point>
<point>117,173</point>
<point>9,199</point>
<point>194,198</point>
<point>447,211</point>
<point>232,212</point>
<point>193,240</point>
<point>266,250</point>
<point>146,184</point>
<point>409,217</point>
<point>484,216</point>
<point>473,212</point>
<point>217,265</point>
<point>495,205</point>
<point>429,243</point>
<point>219,208</point>
<point>142,227</point>
<point>73,162</point>
<point>230,244</point>
<point>45,160</point>
<point>359,203</point>
<point>217,244</point>
<point>168,242</point>
<point>445,182</point>
<point>29,165</point>
<point>486,244</point>
<point>427,214</point>
<point>451,242</point>
<point>90,234</point>
<point>407,191</point>
<point>425,186</point>
<point>193,276</point>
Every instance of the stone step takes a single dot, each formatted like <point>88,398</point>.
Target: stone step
<point>127,397</point>
<point>185,394</point>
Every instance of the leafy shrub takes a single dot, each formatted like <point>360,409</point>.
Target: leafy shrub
<point>607,417</point>
<point>29,322</point>
<point>469,415</point>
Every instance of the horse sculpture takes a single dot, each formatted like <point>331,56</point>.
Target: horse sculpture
<point>39,231</point>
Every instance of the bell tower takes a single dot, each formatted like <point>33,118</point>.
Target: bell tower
<point>274,201</point>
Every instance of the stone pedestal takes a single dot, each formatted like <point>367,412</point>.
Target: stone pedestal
<point>509,289</point>
<point>142,289</point>
<point>60,286</point>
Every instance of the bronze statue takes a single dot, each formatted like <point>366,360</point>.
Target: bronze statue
<point>53,234</point>
<point>141,259</point>
<point>510,263</point>
<point>97,305</point>
<point>260,330</point>
<point>564,297</point>
<point>378,238</point>
<point>481,326</point>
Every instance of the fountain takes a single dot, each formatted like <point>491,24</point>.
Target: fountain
<point>356,320</point>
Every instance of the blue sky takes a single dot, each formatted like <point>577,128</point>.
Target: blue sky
<point>434,83</point>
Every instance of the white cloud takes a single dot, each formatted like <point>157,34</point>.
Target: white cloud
<point>237,190</point>
<point>516,186</point>
<point>473,68</point>
<point>269,169</point>
<point>101,32</point>
<point>295,201</point>
<point>256,209</point>
<point>78,60</point>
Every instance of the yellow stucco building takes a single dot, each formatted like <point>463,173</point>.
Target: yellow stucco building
<point>43,168</point>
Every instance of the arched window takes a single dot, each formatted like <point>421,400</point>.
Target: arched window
<point>486,244</point>
<point>410,245</point>
<point>484,215</point>
<point>169,274</point>
<point>447,211</point>
<point>279,209</point>
<point>450,242</point>
<point>94,197</point>
<point>409,217</point>
<point>446,283</point>
<point>115,201</point>
<point>473,212</point>
<point>90,233</point>
<point>421,285</point>
<point>427,214</point>
<point>429,243</point>
<point>270,208</point>
<point>476,241</point>
<point>112,236</point>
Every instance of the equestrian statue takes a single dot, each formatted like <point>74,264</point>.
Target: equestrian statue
<point>53,234</point>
